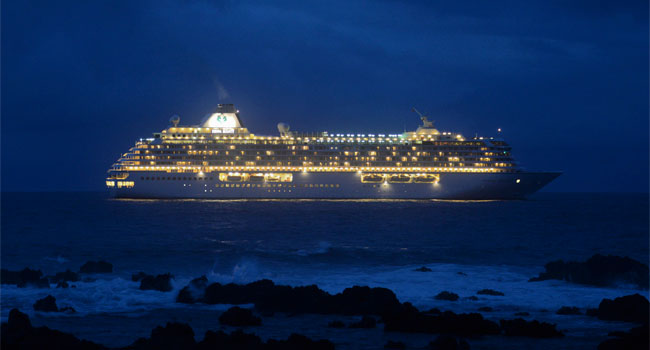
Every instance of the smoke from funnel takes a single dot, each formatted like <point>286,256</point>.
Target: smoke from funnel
<point>222,93</point>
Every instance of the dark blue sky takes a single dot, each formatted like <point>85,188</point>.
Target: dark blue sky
<point>567,81</point>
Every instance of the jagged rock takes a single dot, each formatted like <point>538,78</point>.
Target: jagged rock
<point>490,292</point>
<point>485,309</point>
<point>67,276</point>
<point>240,340</point>
<point>173,336</point>
<point>193,292</point>
<point>599,270</point>
<point>269,297</point>
<point>18,333</point>
<point>423,269</point>
<point>239,317</point>
<point>409,319</point>
<point>524,313</point>
<point>136,277</point>
<point>636,339</point>
<point>534,329</point>
<point>445,295</point>
<point>568,310</point>
<point>447,342</point>
<point>299,342</point>
<point>24,278</point>
<point>62,284</point>
<point>630,308</point>
<point>47,304</point>
<point>394,345</point>
<point>336,324</point>
<point>96,267</point>
<point>160,283</point>
<point>232,341</point>
<point>365,322</point>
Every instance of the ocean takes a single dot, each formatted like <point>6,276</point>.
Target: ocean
<point>469,245</point>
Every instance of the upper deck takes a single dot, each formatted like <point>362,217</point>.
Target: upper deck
<point>221,142</point>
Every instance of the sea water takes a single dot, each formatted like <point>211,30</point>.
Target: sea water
<point>468,245</point>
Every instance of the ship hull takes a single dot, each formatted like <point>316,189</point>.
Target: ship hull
<point>451,186</point>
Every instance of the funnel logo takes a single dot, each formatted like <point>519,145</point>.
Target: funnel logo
<point>218,120</point>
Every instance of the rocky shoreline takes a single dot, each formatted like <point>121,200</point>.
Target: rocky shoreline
<point>377,307</point>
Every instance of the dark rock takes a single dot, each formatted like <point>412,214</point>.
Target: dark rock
<point>18,333</point>
<point>238,317</point>
<point>193,292</point>
<point>423,269</point>
<point>96,267</point>
<point>433,311</point>
<point>62,284</point>
<point>445,295</point>
<point>524,313</point>
<point>268,297</point>
<point>447,342</point>
<point>461,273</point>
<point>24,278</point>
<point>239,340</point>
<point>365,322</point>
<point>409,319</point>
<point>233,341</point>
<point>394,345</point>
<point>161,283</point>
<point>568,310</point>
<point>336,324</point>
<point>599,270</point>
<point>490,292</point>
<point>630,308</point>
<point>172,336</point>
<point>485,309</point>
<point>47,304</point>
<point>299,342</point>
<point>534,329</point>
<point>472,298</point>
<point>67,276</point>
<point>136,277</point>
<point>364,301</point>
<point>636,339</point>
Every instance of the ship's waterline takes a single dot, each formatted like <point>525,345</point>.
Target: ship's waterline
<point>221,159</point>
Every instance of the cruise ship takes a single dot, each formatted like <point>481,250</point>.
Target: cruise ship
<point>221,159</point>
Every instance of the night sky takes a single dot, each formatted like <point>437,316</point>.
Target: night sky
<point>567,81</point>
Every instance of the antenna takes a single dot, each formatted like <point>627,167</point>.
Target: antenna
<point>425,120</point>
<point>416,111</point>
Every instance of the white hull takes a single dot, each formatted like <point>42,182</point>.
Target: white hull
<point>337,186</point>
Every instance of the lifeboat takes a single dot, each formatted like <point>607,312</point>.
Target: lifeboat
<point>399,178</point>
<point>256,178</point>
<point>272,178</point>
<point>234,178</point>
<point>372,178</point>
<point>425,178</point>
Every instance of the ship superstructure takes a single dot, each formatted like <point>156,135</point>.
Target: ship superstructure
<point>220,158</point>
